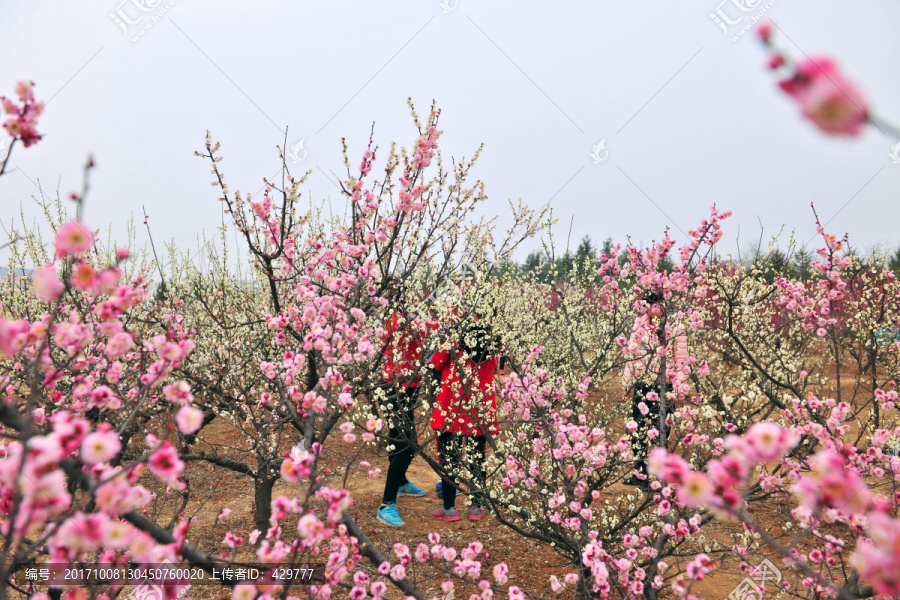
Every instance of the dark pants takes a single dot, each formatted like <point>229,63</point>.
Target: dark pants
<point>401,436</point>
<point>451,446</point>
<point>640,443</point>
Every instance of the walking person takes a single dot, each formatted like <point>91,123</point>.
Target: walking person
<point>465,409</point>
<point>403,342</point>
<point>642,376</point>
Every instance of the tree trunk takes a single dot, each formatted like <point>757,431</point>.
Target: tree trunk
<point>263,485</point>
<point>661,388</point>
<point>312,376</point>
<point>584,587</point>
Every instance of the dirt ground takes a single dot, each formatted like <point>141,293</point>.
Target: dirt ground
<point>530,563</point>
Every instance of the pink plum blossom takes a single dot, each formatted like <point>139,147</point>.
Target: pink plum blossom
<point>189,419</point>
<point>826,97</point>
<point>47,288</point>
<point>100,446</point>
<point>73,238</point>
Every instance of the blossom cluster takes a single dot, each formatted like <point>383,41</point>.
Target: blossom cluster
<point>21,123</point>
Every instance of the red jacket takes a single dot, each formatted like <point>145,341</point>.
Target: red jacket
<point>403,342</point>
<point>461,408</point>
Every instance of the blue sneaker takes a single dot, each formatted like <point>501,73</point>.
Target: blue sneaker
<point>410,489</point>
<point>439,487</point>
<point>389,515</point>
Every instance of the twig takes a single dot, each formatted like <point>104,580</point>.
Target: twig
<point>162,279</point>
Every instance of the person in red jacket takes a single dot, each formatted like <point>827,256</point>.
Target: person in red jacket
<point>464,410</point>
<point>403,342</point>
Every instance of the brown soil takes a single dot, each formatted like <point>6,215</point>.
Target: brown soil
<point>530,563</point>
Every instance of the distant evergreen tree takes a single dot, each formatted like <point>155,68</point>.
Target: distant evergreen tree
<point>894,261</point>
<point>586,252</point>
<point>803,264</point>
<point>583,262</point>
<point>665,265</point>
<point>536,266</point>
<point>564,265</point>
<point>507,267</point>
<point>607,246</point>
<point>769,266</point>
<point>777,262</point>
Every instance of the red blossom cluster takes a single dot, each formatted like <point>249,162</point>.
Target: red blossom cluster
<point>22,121</point>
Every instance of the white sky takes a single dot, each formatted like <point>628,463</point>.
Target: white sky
<point>690,117</point>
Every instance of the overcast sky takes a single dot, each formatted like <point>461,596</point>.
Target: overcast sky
<point>689,116</point>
